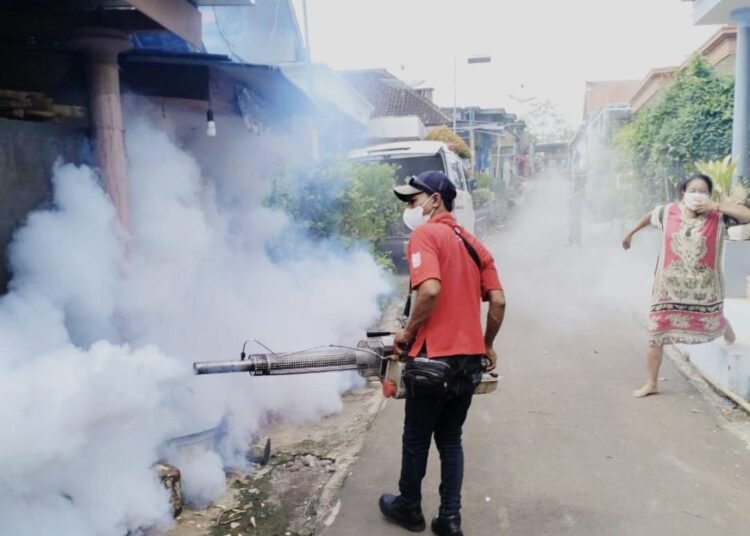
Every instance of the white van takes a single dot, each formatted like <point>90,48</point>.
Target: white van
<point>411,158</point>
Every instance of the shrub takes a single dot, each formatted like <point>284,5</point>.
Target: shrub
<point>369,209</point>
<point>483,197</point>
<point>721,173</point>
<point>343,200</point>
<point>446,135</point>
<point>484,180</point>
<point>692,121</point>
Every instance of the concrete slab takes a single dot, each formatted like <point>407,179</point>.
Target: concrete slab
<point>727,365</point>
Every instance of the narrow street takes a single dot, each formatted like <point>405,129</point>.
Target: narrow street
<point>562,447</point>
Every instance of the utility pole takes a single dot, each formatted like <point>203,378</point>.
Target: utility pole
<point>314,138</point>
<point>455,91</point>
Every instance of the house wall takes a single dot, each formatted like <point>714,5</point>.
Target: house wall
<point>726,66</point>
<point>721,53</point>
<point>28,152</point>
<point>651,91</point>
<point>246,160</point>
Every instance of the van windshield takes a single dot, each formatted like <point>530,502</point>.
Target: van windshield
<point>408,166</point>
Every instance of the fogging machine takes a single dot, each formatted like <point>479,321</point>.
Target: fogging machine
<point>373,357</point>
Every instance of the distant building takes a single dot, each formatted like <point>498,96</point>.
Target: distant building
<point>400,112</point>
<point>498,139</point>
<point>720,51</point>
<point>607,106</point>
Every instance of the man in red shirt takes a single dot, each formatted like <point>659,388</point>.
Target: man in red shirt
<point>451,272</point>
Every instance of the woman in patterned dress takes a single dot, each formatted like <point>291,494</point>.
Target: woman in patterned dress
<point>688,295</point>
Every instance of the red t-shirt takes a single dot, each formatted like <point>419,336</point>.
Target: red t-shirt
<point>436,252</point>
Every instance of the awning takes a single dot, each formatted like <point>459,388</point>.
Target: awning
<point>196,76</point>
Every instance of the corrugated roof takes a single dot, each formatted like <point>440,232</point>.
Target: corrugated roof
<point>393,97</point>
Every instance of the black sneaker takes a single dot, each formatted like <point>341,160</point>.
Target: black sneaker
<point>447,526</point>
<point>396,510</point>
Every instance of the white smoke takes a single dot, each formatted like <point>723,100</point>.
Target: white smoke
<point>98,332</point>
<point>82,430</point>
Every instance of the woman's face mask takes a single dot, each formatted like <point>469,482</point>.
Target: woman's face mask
<point>693,199</point>
<point>415,217</point>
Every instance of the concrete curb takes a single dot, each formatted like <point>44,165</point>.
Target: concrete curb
<point>681,359</point>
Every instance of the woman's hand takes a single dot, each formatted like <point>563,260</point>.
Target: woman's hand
<point>627,241</point>
<point>641,224</point>
<point>704,207</point>
<point>739,212</point>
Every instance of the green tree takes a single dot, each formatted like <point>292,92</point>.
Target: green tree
<point>692,121</point>
<point>547,124</point>
<point>369,210</point>
<point>351,202</point>
<point>311,196</point>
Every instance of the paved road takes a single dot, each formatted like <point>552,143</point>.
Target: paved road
<point>562,447</point>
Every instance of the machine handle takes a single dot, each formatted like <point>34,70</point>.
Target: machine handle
<point>379,333</point>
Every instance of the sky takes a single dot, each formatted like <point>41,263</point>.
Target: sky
<point>545,49</point>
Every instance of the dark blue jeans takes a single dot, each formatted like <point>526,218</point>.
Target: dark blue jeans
<point>443,416</point>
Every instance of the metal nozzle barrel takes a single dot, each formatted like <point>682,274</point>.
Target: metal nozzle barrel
<point>223,367</point>
<point>327,359</point>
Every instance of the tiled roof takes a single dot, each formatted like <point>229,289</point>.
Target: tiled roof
<point>607,93</point>
<point>393,97</point>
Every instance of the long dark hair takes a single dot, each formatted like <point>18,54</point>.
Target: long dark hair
<point>697,176</point>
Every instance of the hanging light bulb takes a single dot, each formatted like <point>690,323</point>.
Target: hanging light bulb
<point>210,124</point>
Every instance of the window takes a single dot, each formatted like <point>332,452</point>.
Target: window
<point>407,166</point>
<point>456,172</point>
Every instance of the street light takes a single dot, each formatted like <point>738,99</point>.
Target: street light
<point>470,60</point>
<point>479,59</point>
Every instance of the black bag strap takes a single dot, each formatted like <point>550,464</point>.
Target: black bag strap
<point>469,249</point>
<point>407,305</point>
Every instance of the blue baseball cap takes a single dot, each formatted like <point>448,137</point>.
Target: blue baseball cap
<point>429,182</point>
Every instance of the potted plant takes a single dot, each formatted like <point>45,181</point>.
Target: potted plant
<point>726,189</point>
<point>737,248</point>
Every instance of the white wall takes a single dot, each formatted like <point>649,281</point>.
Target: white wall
<point>729,366</point>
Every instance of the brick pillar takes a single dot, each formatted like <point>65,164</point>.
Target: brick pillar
<point>102,47</point>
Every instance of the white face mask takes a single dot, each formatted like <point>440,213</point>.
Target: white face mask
<point>414,217</point>
<point>692,199</point>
